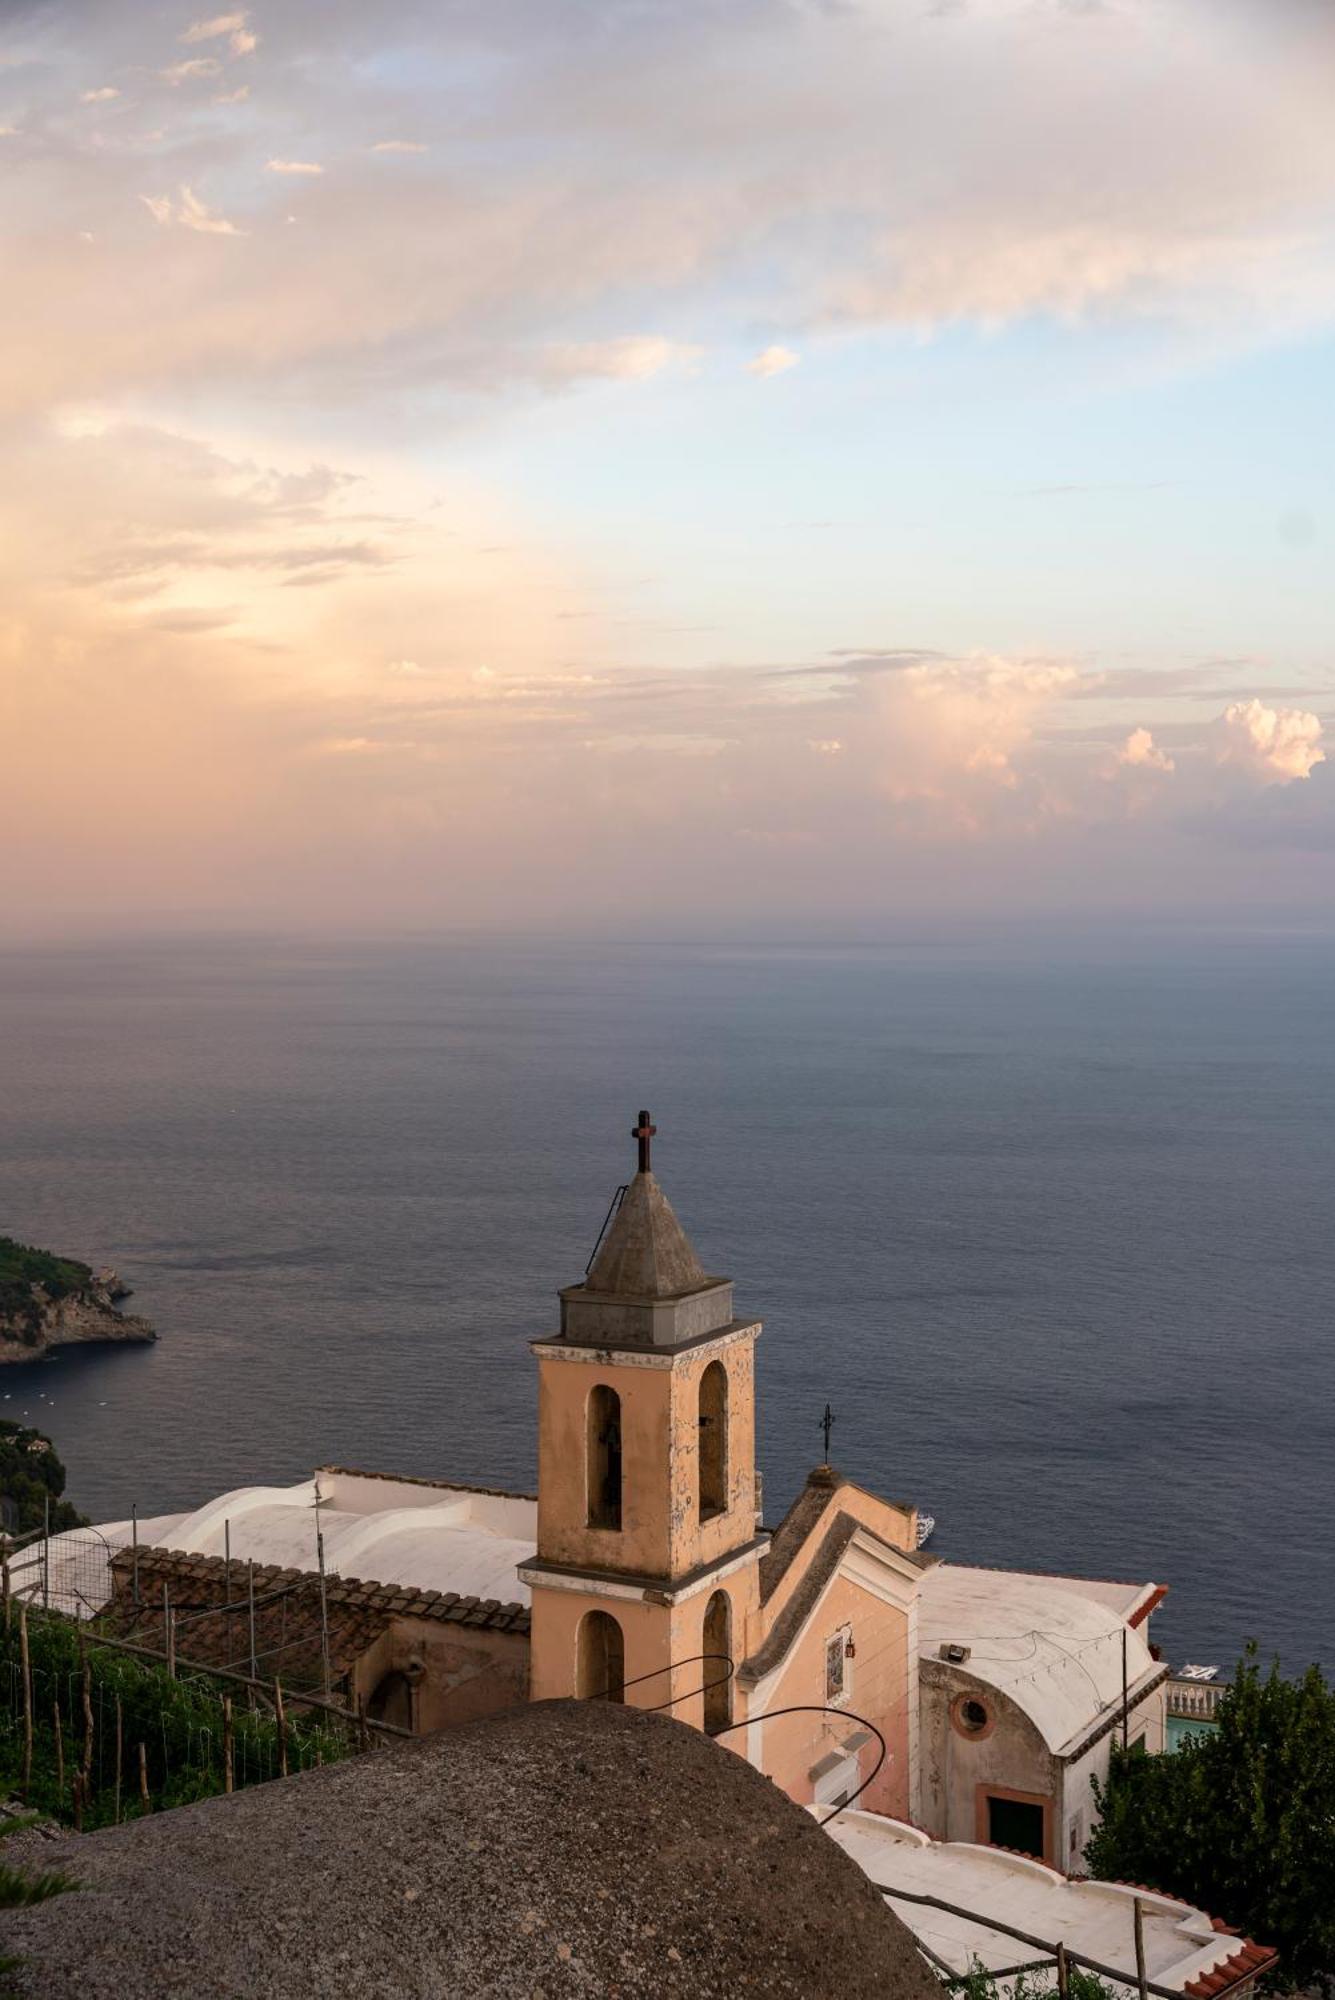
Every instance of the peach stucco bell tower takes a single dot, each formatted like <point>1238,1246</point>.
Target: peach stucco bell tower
<point>647,1538</point>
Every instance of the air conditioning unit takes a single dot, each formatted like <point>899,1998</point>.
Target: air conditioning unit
<point>956,1655</point>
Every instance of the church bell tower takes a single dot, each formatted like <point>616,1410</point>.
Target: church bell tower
<point>647,1542</point>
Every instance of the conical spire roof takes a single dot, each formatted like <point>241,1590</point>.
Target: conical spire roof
<point>646,1253</point>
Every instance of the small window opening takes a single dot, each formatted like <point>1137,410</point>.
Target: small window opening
<point>974,1718</point>
<point>834,1667</point>
<point>716,1675</point>
<point>604,1457</point>
<point>713,1441</point>
<point>600,1671</point>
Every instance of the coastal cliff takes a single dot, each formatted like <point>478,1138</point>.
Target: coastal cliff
<point>48,1301</point>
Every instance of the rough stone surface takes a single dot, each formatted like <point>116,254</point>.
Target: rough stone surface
<point>567,1848</point>
<point>646,1253</point>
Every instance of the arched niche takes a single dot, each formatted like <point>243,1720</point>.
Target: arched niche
<point>713,1441</point>
<point>600,1670</point>
<point>603,1457</point>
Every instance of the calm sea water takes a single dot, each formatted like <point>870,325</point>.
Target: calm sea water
<point>1051,1232</point>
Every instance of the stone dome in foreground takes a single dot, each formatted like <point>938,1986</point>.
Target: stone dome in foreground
<point>563,1848</point>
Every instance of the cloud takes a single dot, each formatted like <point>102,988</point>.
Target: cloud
<point>630,358</point>
<point>773,361</point>
<point>1142,753</point>
<point>398,146</point>
<point>1273,745</point>
<point>293,167</point>
<point>241,40</point>
<point>190,71</point>
<point>102,96</point>
<point>422,737</point>
<point>594,185</point>
<point>189,212</point>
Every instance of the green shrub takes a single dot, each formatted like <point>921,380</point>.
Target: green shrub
<point>1239,1820</point>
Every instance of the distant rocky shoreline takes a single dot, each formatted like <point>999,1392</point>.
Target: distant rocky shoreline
<point>48,1302</point>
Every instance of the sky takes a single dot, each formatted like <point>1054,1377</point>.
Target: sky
<point>804,468</point>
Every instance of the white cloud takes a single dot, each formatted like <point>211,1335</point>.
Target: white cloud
<point>773,361</point>
<point>1142,753</point>
<point>102,96</point>
<point>214,30</point>
<point>189,213</point>
<point>1274,745</point>
<point>398,146</point>
<point>192,71</point>
<point>948,733</point>
<point>631,358</point>
<point>240,38</point>
<point>293,167</point>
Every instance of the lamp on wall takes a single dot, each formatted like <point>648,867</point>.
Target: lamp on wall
<point>850,1649</point>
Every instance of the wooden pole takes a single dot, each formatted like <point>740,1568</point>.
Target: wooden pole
<point>1063,1973</point>
<point>250,1575</point>
<point>78,1802</point>
<point>87,1719</point>
<point>1126,1717</point>
<point>134,1544</point>
<point>1140,1949</point>
<point>26,1665</point>
<point>119,1748</point>
<point>60,1751</point>
<point>228,1782</point>
<point>324,1598</point>
<point>8,1600</point>
<point>281,1714</point>
<point>363,1733</point>
<point>145,1800</point>
<point>227,1557</point>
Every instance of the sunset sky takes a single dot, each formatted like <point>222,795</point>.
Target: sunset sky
<point>674,467</point>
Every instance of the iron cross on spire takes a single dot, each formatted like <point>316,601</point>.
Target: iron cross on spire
<point>827,1425</point>
<point>644,1132</point>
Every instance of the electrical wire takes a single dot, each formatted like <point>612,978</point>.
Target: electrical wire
<point>814,1708</point>
<point>797,1708</point>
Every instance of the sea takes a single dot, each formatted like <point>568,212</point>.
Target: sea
<point>1046,1223</point>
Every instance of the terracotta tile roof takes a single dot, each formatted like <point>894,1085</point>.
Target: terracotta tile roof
<point>1248,1962</point>
<point>287,1612</point>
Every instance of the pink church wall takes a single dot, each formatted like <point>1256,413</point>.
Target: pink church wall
<point>876,1687</point>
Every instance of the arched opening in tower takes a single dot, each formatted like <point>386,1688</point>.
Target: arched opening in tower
<point>603,1447</point>
<point>713,1441</point>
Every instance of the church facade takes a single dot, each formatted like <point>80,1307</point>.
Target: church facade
<point>830,1651</point>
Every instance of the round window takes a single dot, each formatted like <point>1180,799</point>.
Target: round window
<point>971,1716</point>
